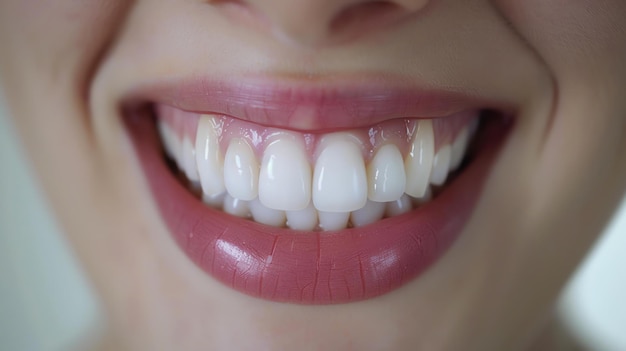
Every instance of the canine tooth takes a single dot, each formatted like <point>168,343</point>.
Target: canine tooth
<point>441,166</point>
<point>305,219</point>
<point>208,157</point>
<point>370,213</point>
<point>236,207</point>
<point>418,163</point>
<point>241,170</point>
<point>339,180</point>
<point>458,148</point>
<point>189,160</point>
<point>285,178</point>
<point>398,207</point>
<point>266,215</point>
<point>386,176</point>
<point>333,220</point>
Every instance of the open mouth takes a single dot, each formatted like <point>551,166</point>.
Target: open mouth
<point>314,196</point>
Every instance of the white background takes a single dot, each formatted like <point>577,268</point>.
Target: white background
<point>46,304</point>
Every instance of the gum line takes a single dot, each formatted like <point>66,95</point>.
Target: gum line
<point>396,131</point>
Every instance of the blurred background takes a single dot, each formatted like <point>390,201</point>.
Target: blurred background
<point>46,303</point>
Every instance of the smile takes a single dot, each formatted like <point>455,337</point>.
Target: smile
<point>314,196</point>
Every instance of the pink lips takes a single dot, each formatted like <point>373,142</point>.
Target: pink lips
<point>308,267</point>
<point>318,106</point>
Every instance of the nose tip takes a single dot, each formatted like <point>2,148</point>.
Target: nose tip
<point>320,22</point>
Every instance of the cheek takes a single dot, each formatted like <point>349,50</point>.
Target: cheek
<point>62,37</point>
<point>583,43</point>
<point>587,36</point>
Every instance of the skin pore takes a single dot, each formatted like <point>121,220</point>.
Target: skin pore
<point>66,66</point>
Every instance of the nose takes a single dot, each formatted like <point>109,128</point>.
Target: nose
<point>319,22</point>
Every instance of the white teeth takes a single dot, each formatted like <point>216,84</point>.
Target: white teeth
<point>370,213</point>
<point>418,163</point>
<point>209,158</point>
<point>189,161</point>
<point>333,220</point>
<point>386,176</point>
<point>236,207</point>
<point>424,199</point>
<point>340,191</point>
<point>170,141</point>
<point>266,215</point>
<point>241,170</point>
<point>398,207</point>
<point>215,201</point>
<point>458,149</point>
<point>303,219</point>
<point>441,166</point>
<point>285,178</point>
<point>339,170</point>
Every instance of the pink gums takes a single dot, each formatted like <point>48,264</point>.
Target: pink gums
<point>397,131</point>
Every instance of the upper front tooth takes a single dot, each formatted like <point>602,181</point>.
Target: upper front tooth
<point>339,181</point>
<point>418,163</point>
<point>241,170</point>
<point>441,165</point>
<point>209,158</point>
<point>285,179</point>
<point>386,176</point>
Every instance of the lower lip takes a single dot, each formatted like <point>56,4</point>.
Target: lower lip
<point>313,267</point>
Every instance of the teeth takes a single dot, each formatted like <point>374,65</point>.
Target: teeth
<point>370,213</point>
<point>424,199</point>
<point>458,149</point>
<point>209,158</point>
<point>215,201</point>
<point>285,179</point>
<point>266,215</point>
<point>398,207</point>
<point>241,170</point>
<point>418,163</point>
<point>441,165</point>
<point>339,170</point>
<point>386,176</point>
<point>303,219</point>
<point>338,192</point>
<point>333,220</point>
<point>170,141</point>
<point>189,161</point>
<point>236,207</point>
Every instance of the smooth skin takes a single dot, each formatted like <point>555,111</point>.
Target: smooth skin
<point>65,65</point>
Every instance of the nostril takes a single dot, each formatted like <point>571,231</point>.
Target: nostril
<point>365,16</point>
<point>319,22</point>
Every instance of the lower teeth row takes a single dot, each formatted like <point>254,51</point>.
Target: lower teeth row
<point>311,219</point>
<point>343,191</point>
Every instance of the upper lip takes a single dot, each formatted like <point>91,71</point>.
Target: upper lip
<point>327,104</point>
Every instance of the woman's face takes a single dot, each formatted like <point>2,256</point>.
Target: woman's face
<point>298,99</point>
